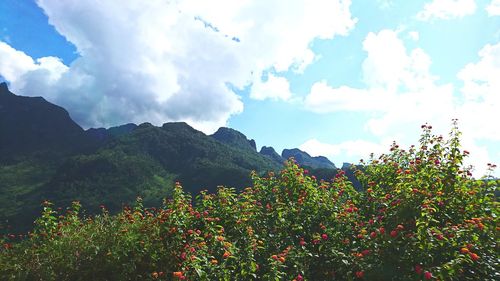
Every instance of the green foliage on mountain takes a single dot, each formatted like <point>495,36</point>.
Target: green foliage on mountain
<point>234,138</point>
<point>46,155</point>
<point>304,158</point>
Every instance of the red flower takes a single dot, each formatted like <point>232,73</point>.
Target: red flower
<point>381,230</point>
<point>427,275</point>
<point>302,242</point>
<point>324,236</point>
<point>373,234</point>
<point>418,269</point>
<point>299,277</point>
<point>360,274</point>
<point>394,233</point>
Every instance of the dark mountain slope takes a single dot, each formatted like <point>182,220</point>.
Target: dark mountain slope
<point>234,138</point>
<point>304,159</point>
<point>146,162</point>
<point>29,124</point>
<point>268,151</point>
<point>46,155</point>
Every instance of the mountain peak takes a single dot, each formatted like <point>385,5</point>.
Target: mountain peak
<point>304,159</point>
<point>234,138</point>
<point>30,123</point>
<point>271,153</point>
<point>4,87</point>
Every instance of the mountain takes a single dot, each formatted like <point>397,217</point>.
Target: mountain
<point>268,151</point>
<point>234,138</point>
<point>102,134</point>
<point>304,159</point>
<point>44,154</point>
<point>29,124</point>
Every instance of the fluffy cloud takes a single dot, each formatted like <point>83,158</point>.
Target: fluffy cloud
<point>414,35</point>
<point>347,151</point>
<point>447,9</point>
<point>401,93</point>
<point>493,8</point>
<point>162,61</point>
<point>399,86</point>
<point>273,88</point>
<point>323,99</point>
<point>480,94</point>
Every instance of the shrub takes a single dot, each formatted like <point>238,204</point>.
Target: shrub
<point>421,216</point>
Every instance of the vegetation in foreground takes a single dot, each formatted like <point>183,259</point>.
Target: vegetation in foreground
<point>421,217</point>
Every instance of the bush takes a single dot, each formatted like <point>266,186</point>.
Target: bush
<point>421,216</point>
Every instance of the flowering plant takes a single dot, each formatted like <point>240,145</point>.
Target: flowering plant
<point>420,216</point>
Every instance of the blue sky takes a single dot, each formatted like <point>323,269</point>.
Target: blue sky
<point>335,78</point>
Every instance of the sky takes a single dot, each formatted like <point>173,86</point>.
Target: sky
<point>337,78</point>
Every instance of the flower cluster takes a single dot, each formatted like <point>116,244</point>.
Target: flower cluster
<point>421,216</point>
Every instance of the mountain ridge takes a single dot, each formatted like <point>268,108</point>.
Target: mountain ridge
<point>51,157</point>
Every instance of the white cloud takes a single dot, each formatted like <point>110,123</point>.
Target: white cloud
<point>348,151</point>
<point>17,67</point>
<point>273,88</point>
<point>447,9</point>
<point>384,49</point>
<point>480,94</point>
<point>401,94</point>
<point>323,98</point>
<point>385,4</point>
<point>414,35</point>
<point>399,86</point>
<point>493,8</point>
<point>14,63</point>
<point>162,61</point>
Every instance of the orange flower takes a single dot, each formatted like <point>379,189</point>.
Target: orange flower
<point>474,256</point>
<point>226,254</point>
<point>178,274</point>
<point>464,250</point>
